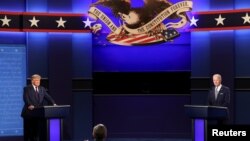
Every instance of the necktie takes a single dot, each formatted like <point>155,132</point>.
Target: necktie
<point>216,92</point>
<point>36,93</point>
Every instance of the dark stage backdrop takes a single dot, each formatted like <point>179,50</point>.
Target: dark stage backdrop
<point>141,82</point>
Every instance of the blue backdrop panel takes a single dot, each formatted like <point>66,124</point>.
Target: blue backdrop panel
<point>242,56</point>
<point>12,81</point>
<point>82,115</point>
<point>200,52</point>
<point>82,55</point>
<point>241,4</point>
<point>12,38</point>
<point>201,5</point>
<point>12,5</point>
<point>62,6</point>
<point>242,111</point>
<point>221,5</point>
<point>37,54</point>
<point>170,56</point>
<point>81,6</point>
<point>36,5</point>
<point>222,55</point>
<point>153,58</point>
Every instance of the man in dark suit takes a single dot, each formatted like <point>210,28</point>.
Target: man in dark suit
<point>219,95</point>
<point>34,96</point>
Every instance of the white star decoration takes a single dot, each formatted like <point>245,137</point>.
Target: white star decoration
<point>34,22</point>
<point>246,19</point>
<point>88,23</point>
<point>61,22</point>
<point>194,21</point>
<point>220,20</point>
<point>5,21</point>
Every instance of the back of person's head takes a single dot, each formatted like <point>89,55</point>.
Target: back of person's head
<point>99,132</point>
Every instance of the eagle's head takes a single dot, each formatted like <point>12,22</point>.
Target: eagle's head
<point>131,18</point>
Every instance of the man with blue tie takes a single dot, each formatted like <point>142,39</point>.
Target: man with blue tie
<point>219,95</point>
<point>34,96</point>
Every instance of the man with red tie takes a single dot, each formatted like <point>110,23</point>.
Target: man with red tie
<point>34,96</point>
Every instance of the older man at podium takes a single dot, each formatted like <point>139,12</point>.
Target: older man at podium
<point>34,96</point>
<point>219,95</point>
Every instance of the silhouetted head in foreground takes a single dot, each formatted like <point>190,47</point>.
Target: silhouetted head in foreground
<point>99,132</point>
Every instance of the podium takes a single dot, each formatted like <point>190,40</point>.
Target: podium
<point>53,120</point>
<point>200,115</point>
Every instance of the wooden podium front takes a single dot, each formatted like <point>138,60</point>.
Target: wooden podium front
<point>200,115</point>
<point>52,121</point>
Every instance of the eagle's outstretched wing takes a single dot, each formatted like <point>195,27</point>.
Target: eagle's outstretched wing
<point>117,6</point>
<point>157,6</point>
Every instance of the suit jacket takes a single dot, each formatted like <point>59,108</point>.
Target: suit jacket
<point>223,98</point>
<point>30,98</point>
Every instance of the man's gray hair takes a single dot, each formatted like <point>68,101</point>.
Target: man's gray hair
<point>35,76</point>
<point>218,76</point>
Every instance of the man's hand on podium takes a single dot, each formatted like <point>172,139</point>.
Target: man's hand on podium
<point>31,107</point>
<point>54,105</point>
